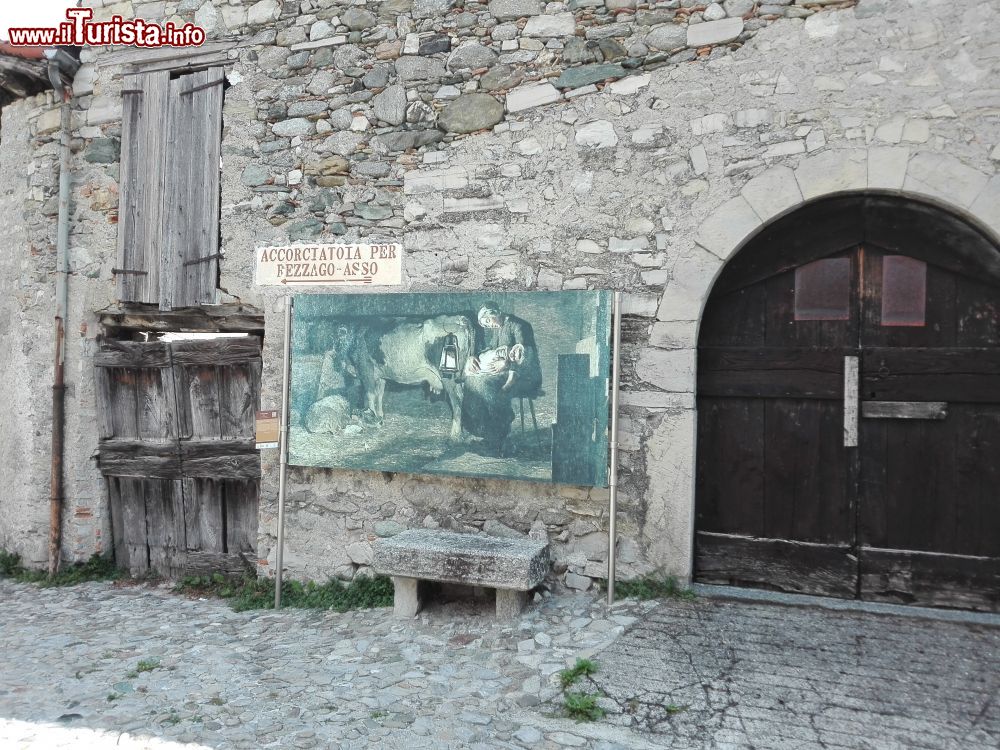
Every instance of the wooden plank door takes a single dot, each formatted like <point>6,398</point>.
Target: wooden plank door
<point>177,447</point>
<point>929,522</point>
<point>775,483</point>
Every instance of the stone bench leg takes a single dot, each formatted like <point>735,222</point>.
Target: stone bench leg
<point>408,597</point>
<point>510,603</point>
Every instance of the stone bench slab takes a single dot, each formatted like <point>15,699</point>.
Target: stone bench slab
<point>470,559</point>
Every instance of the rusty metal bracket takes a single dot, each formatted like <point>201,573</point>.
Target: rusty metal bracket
<point>204,259</point>
<point>201,86</point>
<point>116,271</point>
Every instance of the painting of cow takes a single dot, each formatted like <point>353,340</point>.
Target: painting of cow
<point>481,384</point>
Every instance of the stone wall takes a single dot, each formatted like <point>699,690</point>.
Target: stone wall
<point>27,260</point>
<point>512,145</point>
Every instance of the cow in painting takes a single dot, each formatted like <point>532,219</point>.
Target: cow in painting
<point>407,352</point>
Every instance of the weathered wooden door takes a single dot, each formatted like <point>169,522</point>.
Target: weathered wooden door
<point>176,424</point>
<point>849,426</point>
<point>929,439</point>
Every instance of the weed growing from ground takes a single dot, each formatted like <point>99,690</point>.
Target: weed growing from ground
<point>249,592</point>
<point>97,568</point>
<point>582,706</point>
<point>650,587</point>
<point>144,665</point>
<point>577,704</point>
<point>569,677</point>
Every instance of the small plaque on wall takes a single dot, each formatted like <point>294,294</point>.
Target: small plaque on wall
<point>267,429</point>
<point>360,264</point>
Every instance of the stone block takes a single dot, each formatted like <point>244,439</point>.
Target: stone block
<point>690,279</point>
<point>832,172</point>
<point>714,32</point>
<point>596,134</point>
<point>264,11</point>
<point>727,227</point>
<point>559,24</point>
<point>640,305</point>
<point>887,167</point>
<point>669,369</point>
<point>509,10</point>
<point>630,85</point>
<point>467,559</point>
<point>773,192</point>
<point>944,177</point>
<point>986,208</point>
<point>431,181</point>
<point>674,334</point>
<point>531,95</point>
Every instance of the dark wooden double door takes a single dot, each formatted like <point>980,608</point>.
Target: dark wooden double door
<point>849,432</point>
<point>176,424</point>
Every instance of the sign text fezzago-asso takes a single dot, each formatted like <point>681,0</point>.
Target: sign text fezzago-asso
<point>369,263</point>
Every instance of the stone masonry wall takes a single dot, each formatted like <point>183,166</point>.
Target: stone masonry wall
<point>27,262</point>
<point>513,145</point>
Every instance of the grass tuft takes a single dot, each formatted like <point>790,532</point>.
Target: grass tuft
<point>249,592</point>
<point>650,587</point>
<point>583,667</point>
<point>582,706</point>
<point>97,568</point>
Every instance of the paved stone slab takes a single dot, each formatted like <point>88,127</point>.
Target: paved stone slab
<point>471,559</point>
<point>727,674</point>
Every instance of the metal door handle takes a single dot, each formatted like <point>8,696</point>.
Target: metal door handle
<point>850,402</point>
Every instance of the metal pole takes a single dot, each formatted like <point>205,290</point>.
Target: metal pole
<point>283,451</point>
<point>613,473</point>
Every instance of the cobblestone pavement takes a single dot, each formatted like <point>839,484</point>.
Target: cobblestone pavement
<point>750,675</point>
<point>452,678</point>
<point>138,667</point>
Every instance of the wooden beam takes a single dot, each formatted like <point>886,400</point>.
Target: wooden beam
<point>227,318</point>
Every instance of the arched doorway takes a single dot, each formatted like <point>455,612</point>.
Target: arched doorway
<point>849,408</point>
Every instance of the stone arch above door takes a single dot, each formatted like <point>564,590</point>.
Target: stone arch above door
<point>938,178</point>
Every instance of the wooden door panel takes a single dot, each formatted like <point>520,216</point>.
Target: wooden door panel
<point>797,567</point>
<point>933,485</point>
<point>177,446</point>
<point>771,372</point>
<point>806,474</point>
<point>930,580</point>
<point>731,497</point>
<point>931,374</point>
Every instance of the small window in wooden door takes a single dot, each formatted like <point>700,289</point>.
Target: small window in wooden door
<point>823,290</point>
<point>904,291</point>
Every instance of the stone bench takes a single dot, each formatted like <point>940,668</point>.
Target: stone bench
<point>511,566</point>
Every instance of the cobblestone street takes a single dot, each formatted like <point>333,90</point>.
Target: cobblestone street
<point>139,667</point>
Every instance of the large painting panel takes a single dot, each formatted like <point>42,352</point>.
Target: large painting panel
<point>502,384</point>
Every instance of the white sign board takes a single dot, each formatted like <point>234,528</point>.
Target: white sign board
<point>365,263</point>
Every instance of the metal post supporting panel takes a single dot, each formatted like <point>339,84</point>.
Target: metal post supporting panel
<point>613,472</point>
<point>283,450</point>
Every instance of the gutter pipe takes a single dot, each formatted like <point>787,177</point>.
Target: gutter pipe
<point>56,490</point>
